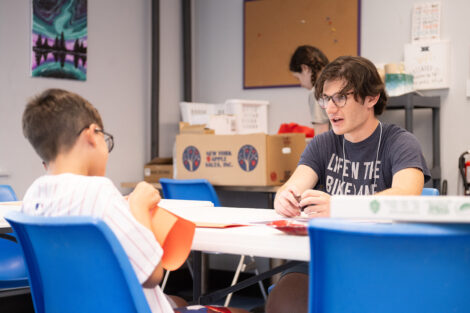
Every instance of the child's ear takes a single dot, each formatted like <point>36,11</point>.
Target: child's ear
<point>89,137</point>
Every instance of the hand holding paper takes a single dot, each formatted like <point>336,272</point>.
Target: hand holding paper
<point>175,235</point>
<point>142,201</point>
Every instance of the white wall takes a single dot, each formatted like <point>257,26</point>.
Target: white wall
<point>385,28</point>
<point>118,84</point>
<point>218,63</point>
<point>119,77</point>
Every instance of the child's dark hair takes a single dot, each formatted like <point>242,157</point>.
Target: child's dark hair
<point>311,56</point>
<point>360,76</point>
<point>53,120</point>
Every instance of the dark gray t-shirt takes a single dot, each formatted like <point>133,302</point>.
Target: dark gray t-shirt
<point>359,173</point>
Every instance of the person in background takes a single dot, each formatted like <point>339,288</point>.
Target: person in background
<point>359,156</point>
<point>67,133</point>
<point>306,64</point>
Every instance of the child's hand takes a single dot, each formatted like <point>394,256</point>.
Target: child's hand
<point>144,195</point>
<point>142,201</point>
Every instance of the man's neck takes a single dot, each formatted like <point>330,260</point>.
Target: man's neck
<point>364,132</point>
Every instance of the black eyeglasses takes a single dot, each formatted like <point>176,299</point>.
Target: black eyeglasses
<point>339,99</point>
<point>108,138</point>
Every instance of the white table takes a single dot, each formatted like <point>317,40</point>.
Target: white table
<point>256,239</point>
<point>4,207</point>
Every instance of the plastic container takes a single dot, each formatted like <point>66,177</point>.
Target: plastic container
<point>251,115</point>
<point>199,113</point>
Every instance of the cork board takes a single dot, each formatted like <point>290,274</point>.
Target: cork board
<point>274,28</point>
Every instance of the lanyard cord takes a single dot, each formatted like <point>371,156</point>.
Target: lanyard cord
<point>376,159</point>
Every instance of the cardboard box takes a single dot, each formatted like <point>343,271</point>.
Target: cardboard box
<point>186,128</point>
<point>158,168</point>
<point>238,160</point>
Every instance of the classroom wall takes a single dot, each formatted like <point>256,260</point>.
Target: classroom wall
<point>119,77</point>
<point>118,84</point>
<point>385,28</point>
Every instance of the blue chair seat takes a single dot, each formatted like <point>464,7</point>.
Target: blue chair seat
<point>12,267</point>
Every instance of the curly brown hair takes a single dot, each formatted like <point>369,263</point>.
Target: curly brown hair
<point>361,77</point>
<point>311,56</point>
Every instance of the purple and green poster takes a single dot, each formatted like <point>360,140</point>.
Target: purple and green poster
<point>59,39</point>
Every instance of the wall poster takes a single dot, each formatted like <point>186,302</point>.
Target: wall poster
<point>59,39</point>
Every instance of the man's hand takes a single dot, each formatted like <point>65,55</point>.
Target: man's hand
<point>288,196</point>
<point>287,202</point>
<point>315,203</point>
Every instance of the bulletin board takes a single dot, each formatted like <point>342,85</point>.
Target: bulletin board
<point>274,28</point>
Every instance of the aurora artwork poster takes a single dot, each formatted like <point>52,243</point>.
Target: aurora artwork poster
<point>59,39</point>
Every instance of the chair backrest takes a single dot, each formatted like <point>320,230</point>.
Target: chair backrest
<point>7,193</point>
<point>189,189</point>
<point>76,264</point>
<point>395,267</point>
<point>430,192</point>
<point>12,268</point>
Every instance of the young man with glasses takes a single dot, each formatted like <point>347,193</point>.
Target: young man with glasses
<point>359,156</point>
<point>68,135</point>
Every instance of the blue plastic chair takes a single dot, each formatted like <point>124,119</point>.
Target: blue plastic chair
<point>76,264</point>
<point>13,275</point>
<point>430,192</point>
<point>189,189</point>
<point>202,190</point>
<point>396,267</point>
<point>7,193</point>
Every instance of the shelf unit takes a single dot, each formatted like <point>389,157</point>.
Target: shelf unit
<point>411,101</point>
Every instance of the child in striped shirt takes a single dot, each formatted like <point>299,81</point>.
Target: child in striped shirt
<point>67,133</point>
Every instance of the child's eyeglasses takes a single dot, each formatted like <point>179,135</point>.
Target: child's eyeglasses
<point>108,138</point>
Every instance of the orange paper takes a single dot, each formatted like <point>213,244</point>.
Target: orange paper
<point>175,235</point>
